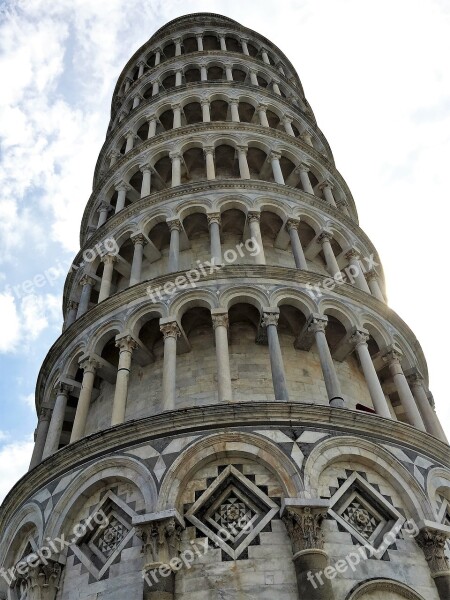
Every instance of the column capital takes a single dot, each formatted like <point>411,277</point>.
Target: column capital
<point>160,534</point>
<point>325,235</point>
<point>146,167</point>
<point>270,316</point>
<point>304,526</point>
<point>262,106</point>
<point>392,356</point>
<point>126,343</point>
<point>87,280</point>
<point>44,414</point>
<point>175,106</point>
<point>72,305</point>
<point>130,132</point>
<point>414,377</point>
<point>142,62</point>
<point>175,155</point>
<point>352,253</point>
<point>170,329</point>
<point>208,150</point>
<point>220,319</point>
<point>174,224</point>
<point>302,167</point>
<point>234,101</point>
<point>62,388</point>
<point>109,259</point>
<point>177,40</point>
<point>150,117</point>
<point>213,218</point>
<point>121,186</point>
<point>253,216</point>
<point>205,101</point>
<point>104,206</point>
<point>317,323</point>
<point>325,184</point>
<point>359,337</point>
<point>242,148</point>
<point>287,118</point>
<point>433,542</point>
<point>292,224</point>
<point>199,35</point>
<point>372,274</point>
<point>44,577</point>
<point>274,155</point>
<point>139,238</point>
<point>89,364</point>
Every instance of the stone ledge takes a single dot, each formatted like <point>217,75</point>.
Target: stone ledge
<point>186,421</point>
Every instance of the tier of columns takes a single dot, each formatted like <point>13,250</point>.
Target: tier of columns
<point>415,403</point>
<point>365,281</point>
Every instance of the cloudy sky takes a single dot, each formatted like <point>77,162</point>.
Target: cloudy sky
<point>376,75</point>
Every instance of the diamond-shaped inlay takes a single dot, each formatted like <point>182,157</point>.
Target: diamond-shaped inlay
<point>111,537</point>
<point>365,513</point>
<point>232,511</point>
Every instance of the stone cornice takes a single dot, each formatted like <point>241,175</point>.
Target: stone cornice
<point>173,26</point>
<point>203,86</point>
<point>282,276</point>
<point>204,128</point>
<point>186,421</point>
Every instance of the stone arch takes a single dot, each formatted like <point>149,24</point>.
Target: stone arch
<point>377,329</point>
<point>192,298</point>
<point>139,315</point>
<point>340,311</point>
<point>226,445</point>
<point>103,334</point>
<point>359,450</point>
<point>438,480</point>
<point>105,470</point>
<point>27,519</point>
<point>395,589</point>
<point>296,298</point>
<point>243,294</point>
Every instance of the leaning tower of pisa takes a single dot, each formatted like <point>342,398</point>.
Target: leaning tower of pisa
<point>232,409</point>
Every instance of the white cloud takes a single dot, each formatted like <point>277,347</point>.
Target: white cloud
<point>14,462</point>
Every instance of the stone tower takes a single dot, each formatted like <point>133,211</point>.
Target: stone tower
<point>232,410</point>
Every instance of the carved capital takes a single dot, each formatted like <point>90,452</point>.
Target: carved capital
<point>174,224</point>
<point>139,239</point>
<point>143,168</point>
<point>89,364</point>
<point>109,259</point>
<point>317,323</point>
<point>208,150</point>
<point>122,187</point>
<point>370,275</point>
<point>220,320</point>
<point>126,344</point>
<point>72,305</point>
<point>274,155</point>
<point>213,218</point>
<point>270,318</point>
<point>87,280</point>
<point>304,526</point>
<point>175,156</point>
<point>392,357</point>
<point>325,236</point>
<point>325,184</point>
<point>253,216</point>
<point>433,542</point>
<point>63,388</point>
<point>292,224</point>
<point>45,414</point>
<point>160,540</point>
<point>352,253</point>
<point>41,581</point>
<point>170,330</point>
<point>359,337</point>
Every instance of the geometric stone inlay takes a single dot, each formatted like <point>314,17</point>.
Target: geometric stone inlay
<point>232,511</point>
<point>365,514</point>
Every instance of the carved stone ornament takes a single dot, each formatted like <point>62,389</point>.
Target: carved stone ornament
<point>40,582</point>
<point>160,540</point>
<point>170,330</point>
<point>433,544</point>
<point>304,526</point>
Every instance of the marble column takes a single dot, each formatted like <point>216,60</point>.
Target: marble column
<point>128,83</point>
<point>220,323</point>
<point>255,234</point>
<point>157,56</point>
<point>139,242</point>
<point>175,157</point>
<point>151,126</point>
<point>327,190</point>
<point>304,526</point>
<point>136,101</point>
<point>178,78</point>
<point>360,339</point>
<point>141,65</point>
<point>433,541</point>
<point>234,107</point>
<point>306,137</point>
<point>126,346</point>
<point>41,581</point>
<point>203,73</point>
<point>274,158</point>
<point>89,366</point>
<point>113,158</point>
<point>161,535</point>
<point>297,250</point>
<point>108,270</point>
<point>270,322</point>
<point>229,71</point>
<point>316,325</point>
<point>155,87</point>
<point>72,308</point>
<point>392,358</point>
<point>341,204</point>
<point>103,211</point>
<point>171,332</point>
<point>243,164</point>
<point>374,285</point>
<point>199,42</point>
<point>356,272</point>
<point>206,115</point>
<point>265,56</point>
<point>223,43</point>
<point>214,234</point>
<point>244,46</point>
<point>174,248</point>
<point>177,42</point>
<point>303,171</point>
<point>130,135</point>
<point>325,240</point>
<point>287,122</point>
<point>87,283</point>
<point>209,160</point>
<point>275,87</point>
<point>429,417</point>
<point>121,189</point>
<point>146,180</point>
<point>41,437</point>
<point>263,115</point>
<point>57,420</point>
<point>176,116</point>
<point>253,77</point>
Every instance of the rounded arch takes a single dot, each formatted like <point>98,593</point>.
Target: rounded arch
<point>359,450</point>
<point>438,480</point>
<point>400,589</point>
<point>376,329</point>
<point>27,519</point>
<point>103,334</point>
<point>192,298</point>
<point>226,445</point>
<point>105,470</point>
<point>142,314</point>
<point>244,295</point>
<point>296,298</point>
<point>340,311</point>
